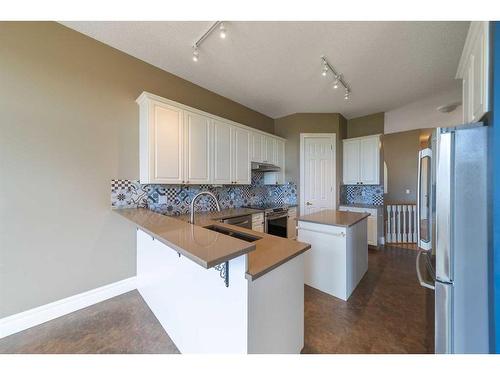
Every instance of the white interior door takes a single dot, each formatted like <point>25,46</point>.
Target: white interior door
<point>317,188</point>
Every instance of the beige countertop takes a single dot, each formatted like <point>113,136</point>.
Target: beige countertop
<point>209,248</point>
<point>334,217</point>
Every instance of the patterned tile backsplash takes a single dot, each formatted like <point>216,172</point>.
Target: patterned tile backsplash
<point>175,199</point>
<point>362,194</point>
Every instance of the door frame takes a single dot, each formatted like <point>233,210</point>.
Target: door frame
<point>333,138</point>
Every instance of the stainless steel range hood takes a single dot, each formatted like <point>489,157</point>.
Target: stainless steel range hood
<point>263,167</point>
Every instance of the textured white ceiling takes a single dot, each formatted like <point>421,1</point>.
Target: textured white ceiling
<point>274,67</point>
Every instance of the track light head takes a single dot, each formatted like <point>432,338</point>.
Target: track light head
<point>325,70</point>
<point>222,31</point>
<point>196,53</point>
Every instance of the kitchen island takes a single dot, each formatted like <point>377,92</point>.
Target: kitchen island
<point>338,258</point>
<point>217,288</point>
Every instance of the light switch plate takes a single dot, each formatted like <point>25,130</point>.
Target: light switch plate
<point>407,191</point>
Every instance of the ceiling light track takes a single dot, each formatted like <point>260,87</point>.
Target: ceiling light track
<point>338,78</point>
<point>222,33</point>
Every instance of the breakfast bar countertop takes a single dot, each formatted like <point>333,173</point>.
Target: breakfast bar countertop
<point>209,248</point>
<point>334,217</point>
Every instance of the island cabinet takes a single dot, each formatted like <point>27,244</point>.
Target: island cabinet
<point>338,258</point>
<point>203,315</point>
<point>183,145</point>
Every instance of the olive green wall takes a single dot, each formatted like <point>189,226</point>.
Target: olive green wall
<point>291,126</point>
<point>366,125</point>
<point>68,125</point>
<point>400,154</point>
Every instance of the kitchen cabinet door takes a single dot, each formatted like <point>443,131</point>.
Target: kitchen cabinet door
<point>223,150</point>
<point>277,178</point>
<point>257,147</point>
<point>372,231</point>
<point>269,156</point>
<point>161,143</point>
<point>197,148</point>
<point>241,156</point>
<point>351,162</point>
<point>473,69</point>
<point>369,161</point>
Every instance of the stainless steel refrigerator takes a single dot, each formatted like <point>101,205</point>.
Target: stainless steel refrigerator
<point>453,235</point>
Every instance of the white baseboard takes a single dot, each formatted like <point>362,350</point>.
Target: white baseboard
<point>30,318</point>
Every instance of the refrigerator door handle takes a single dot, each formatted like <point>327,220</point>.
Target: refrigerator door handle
<point>425,153</point>
<point>421,280</point>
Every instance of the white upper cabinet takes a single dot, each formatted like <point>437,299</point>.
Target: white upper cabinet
<point>182,145</point>
<point>161,143</point>
<point>197,147</point>
<point>361,160</point>
<point>369,163</point>
<point>277,178</point>
<point>269,155</point>
<point>473,69</point>
<point>241,156</point>
<point>257,145</point>
<point>351,161</point>
<point>223,149</point>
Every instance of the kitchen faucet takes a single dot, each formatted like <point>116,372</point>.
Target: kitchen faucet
<point>195,198</point>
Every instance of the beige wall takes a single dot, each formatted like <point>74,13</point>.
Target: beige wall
<point>291,126</point>
<point>400,154</point>
<point>68,125</point>
<point>366,125</point>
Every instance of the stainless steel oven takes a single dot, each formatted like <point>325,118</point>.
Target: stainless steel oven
<point>275,222</point>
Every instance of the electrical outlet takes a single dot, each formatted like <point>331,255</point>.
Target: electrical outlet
<point>407,191</point>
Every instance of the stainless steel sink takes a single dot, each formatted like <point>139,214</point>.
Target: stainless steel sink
<point>228,232</point>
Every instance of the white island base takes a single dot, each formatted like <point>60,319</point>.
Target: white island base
<point>338,258</point>
<point>202,315</point>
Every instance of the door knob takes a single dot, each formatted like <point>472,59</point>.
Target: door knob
<point>309,204</point>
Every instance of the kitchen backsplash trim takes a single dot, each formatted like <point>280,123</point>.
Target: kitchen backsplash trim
<point>176,199</point>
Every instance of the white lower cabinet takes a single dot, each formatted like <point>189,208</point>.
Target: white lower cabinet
<point>374,222</point>
<point>291,225</point>
<point>258,222</point>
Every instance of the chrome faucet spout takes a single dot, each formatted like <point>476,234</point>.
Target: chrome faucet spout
<point>196,197</point>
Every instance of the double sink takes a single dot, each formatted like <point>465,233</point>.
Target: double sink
<point>231,233</point>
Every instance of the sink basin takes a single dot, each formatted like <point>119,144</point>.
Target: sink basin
<point>228,232</point>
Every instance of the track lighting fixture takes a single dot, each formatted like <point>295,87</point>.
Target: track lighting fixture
<point>222,34</point>
<point>338,78</point>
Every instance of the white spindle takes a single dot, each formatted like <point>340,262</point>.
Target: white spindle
<point>405,237</point>
<point>388,233</point>
<point>401,223</point>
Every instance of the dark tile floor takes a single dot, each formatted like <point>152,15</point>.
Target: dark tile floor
<point>387,313</point>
